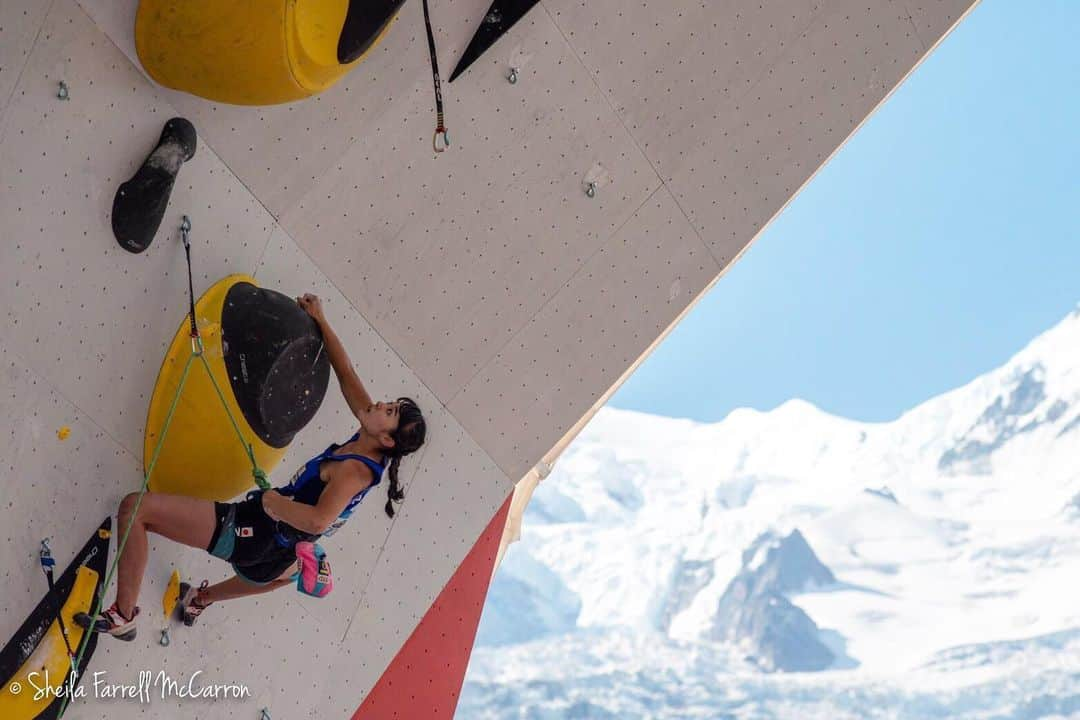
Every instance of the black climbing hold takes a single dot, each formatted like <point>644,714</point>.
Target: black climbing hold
<point>276,363</point>
<point>364,23</point>
<point>500,17</point>
<point>140,202</point>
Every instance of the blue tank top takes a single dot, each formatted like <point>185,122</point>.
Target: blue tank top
<point>306,486</point>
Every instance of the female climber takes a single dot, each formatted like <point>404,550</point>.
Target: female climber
<point>258,535</point>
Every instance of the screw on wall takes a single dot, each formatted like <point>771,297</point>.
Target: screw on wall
<point>512,78</point>
<point>590,189</point>
<point>62,92</point>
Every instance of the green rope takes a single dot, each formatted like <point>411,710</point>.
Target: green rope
<point>123,540</point>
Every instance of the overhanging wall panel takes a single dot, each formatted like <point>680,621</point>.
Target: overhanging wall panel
<point>738,105</point>
<point>800,111</point>
<point>448,258</point>
<point>934,18</point>
<point>672,68</point>
<point>93,319</point>
<point>580,343</point>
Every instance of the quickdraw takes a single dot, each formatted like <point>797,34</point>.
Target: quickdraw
<point>47,565</point>
<point>441,133</point>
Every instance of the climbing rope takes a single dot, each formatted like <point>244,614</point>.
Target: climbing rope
<point>257,473</point>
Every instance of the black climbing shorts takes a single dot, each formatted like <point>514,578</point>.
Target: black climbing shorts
<point>244,535</point>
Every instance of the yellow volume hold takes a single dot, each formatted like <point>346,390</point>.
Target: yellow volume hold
<point>256,52</point>
<point>171,596</point>
<point>202,455</point>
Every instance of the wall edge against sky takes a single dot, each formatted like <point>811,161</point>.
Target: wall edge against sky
<point>553,454</point>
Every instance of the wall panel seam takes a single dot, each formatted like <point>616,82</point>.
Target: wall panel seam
<point>22,69</point>
<point>619,118</point>
<point>915,27</point>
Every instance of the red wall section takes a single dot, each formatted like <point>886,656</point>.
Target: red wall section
<point>425,678</point>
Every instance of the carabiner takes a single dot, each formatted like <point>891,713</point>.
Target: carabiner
<point>45,556</point>
<point>185,228</point>
<point>445,134</point>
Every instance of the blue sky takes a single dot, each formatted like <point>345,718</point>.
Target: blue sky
<point>938,242</point>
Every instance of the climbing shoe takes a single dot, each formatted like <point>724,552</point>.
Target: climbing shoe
<point>190,607</point>
<point>111,621</point>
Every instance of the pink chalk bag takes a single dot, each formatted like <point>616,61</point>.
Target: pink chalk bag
<point>313,577</point>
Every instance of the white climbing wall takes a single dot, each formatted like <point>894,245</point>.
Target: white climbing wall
<point>483,282</point>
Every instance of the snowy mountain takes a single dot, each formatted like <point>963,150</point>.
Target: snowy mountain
<point>929,566</point>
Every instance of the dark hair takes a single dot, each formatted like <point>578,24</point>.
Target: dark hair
<point>409,436</point>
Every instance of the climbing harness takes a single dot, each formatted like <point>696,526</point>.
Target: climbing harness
<point>256,472</point>
<point>440,124</point>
